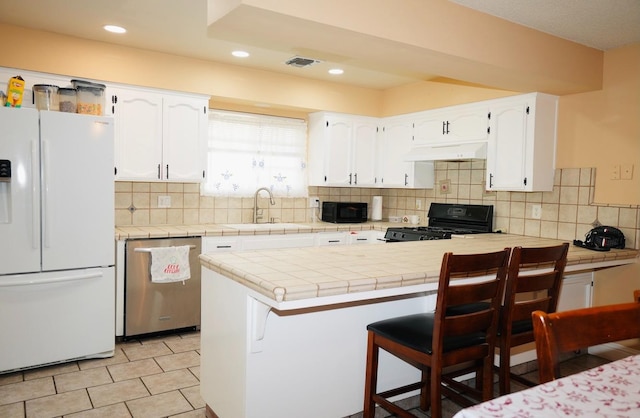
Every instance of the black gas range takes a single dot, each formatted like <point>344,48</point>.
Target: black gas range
<point>445,220</point>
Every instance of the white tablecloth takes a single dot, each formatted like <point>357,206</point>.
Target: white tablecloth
<point>610,390</point>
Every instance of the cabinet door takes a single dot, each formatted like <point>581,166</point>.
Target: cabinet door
<point>365,237</point>
<point>219,244</point>
<point>395,144</point>
<point>338,151</point>
<point>457,123</point>
<point>429,127</point>
<point>262,242</point>
<point>575,292</point>
<point>138,134</point>
<point>330,238</point>
<point>184,138</point>
<point>365,134</point>
<point>467,123</point>
<point>506,157</point>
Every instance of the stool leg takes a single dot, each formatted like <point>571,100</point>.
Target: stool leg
<point>504,372</point>
<point>371,378</point>
<point>436,392</point>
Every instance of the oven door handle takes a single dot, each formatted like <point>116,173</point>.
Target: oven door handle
<point>148,250</point>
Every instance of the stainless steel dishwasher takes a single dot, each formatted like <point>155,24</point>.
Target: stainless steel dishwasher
<point>154,307</point>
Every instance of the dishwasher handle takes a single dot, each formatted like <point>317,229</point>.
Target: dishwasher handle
<point>148,250</point>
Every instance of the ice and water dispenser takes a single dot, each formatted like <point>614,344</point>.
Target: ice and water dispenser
<point>5,191</point>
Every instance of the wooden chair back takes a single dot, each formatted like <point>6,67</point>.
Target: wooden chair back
<point>465,309</point>
<point>542,288</point>
<point>560,332</point>
<point>527,290</point>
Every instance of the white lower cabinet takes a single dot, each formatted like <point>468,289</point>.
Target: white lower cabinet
<point>331,238</point>
<point>263,242</point>
<point>365,237</point>
<point>218,244</point>
<point>575,292</point>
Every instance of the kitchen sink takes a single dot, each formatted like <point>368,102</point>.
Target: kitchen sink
<point>264,227</point>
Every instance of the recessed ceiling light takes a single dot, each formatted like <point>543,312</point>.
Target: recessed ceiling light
<point>114,29</point>
<point>336,71</point>
<point>240,54</point>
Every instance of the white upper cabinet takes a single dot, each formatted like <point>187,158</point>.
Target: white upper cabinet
<point>159,136</point>
<point>342,150</point>
<point>396,141</point>
<point>184,141</point>
<point>452,124</point>
<point>522,143</point>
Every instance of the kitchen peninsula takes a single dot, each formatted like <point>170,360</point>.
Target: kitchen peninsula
<point>284,331</point>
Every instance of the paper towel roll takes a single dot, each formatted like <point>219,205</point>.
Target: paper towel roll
<point>376,208</point>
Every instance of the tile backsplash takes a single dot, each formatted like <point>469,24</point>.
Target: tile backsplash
<point>567,212</point>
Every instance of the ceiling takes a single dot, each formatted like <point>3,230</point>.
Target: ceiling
<point>168,26</point>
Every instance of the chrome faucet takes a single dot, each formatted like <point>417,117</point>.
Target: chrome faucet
<point>255,203</point>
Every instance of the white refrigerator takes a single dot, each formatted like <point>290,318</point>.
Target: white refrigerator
<point>57,251</point>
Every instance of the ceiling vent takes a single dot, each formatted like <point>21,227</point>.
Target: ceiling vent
<point>301,62</point>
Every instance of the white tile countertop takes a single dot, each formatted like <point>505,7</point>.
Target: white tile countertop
<point>212,230</point>
<point>363,271</point>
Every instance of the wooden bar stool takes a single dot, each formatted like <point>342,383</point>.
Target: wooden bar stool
<point>461,330</point>
<point>527,291</point>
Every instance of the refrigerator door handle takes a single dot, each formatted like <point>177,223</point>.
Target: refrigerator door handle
<point>46,221</point>
<point>35,216</point>
<point>49,280</point>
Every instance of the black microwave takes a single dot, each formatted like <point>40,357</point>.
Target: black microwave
<point>344,212</point>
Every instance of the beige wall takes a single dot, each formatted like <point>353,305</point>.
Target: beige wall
<point>436,34</point>
<point>58,54</point>
<point>602,128</point>
<point>596,129</point>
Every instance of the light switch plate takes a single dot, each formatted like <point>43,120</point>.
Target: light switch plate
<point>615,172</point>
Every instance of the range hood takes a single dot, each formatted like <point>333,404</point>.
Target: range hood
<point>453,152</point>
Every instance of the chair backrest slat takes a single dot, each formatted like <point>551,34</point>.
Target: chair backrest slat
<point>560,332</point>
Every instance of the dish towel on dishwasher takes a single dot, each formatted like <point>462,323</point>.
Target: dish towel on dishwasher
<point>170,264</point>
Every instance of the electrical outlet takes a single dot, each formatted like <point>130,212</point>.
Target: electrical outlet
<point>626,171</point>
<point>418,203</point>
<point>445,186</point>
<point>314,202</point>
<point>164,201</point>
<point>536,211</point>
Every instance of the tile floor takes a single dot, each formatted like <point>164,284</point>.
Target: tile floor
<point>152,377</point>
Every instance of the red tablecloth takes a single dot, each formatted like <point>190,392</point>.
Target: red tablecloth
<point>610,390</point>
